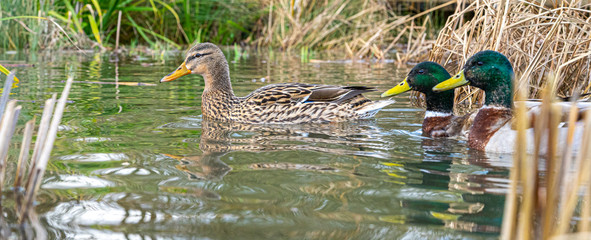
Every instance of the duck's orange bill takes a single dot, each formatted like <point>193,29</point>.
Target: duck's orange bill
<point>179,72</point>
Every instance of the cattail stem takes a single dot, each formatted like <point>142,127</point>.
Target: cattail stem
<point>6,92</point>
<point>582,176</point>
<point>6,132</point>
<point>24,154</point>
<point>41,135</point>
<point>39,170</point>
<point>118,30</point>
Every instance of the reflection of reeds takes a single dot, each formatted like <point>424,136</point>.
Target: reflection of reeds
<point>546,206</point>
<point>46,135</point>
<point>538,39</point>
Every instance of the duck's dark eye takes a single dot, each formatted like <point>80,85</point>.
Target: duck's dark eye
<point>196,55</point>
<point>479,63</point>
<point>421,71</point>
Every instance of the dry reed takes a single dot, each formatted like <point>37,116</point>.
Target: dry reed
<point>46,135</point>
<point>548,199</point>
<point>539,38</point>
<point>360,28</point>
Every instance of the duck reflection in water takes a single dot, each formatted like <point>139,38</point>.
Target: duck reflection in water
<point>360,138</point>
<point>453,186</point>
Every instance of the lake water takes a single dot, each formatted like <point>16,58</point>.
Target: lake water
<point>139,162</point>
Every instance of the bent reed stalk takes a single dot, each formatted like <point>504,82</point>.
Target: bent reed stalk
<point>25,192</point>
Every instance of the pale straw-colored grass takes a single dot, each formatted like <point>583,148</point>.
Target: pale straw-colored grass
<point>367,28</point>
<point>551,203</point>
<point>539,38</point>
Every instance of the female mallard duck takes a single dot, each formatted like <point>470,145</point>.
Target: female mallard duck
<point>439,118</point>
<point>491,129</point>
<point>282,103</point>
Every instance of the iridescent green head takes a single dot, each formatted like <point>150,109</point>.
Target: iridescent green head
<point>490,71</point>
<point>422,78</point>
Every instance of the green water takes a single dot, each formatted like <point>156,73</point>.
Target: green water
<point>136,162</point>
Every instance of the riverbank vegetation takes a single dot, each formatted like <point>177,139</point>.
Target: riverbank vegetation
<point>540,39</point>
<point>361,27</point>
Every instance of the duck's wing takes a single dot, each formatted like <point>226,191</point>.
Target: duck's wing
<point>534,108</point>
<point>290,93</point>
<point>460,125</point>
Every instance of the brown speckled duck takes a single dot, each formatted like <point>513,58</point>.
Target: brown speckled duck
<point>282,103</point>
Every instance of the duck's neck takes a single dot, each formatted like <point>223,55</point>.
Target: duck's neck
<point>218,98</point>
<point>500,95</point>
<point>440,102</point>
<point>217,79</point>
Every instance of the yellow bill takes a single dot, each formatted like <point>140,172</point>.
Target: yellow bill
<point>400,88</point>
<point>454,82</point>
<point>179,72</point>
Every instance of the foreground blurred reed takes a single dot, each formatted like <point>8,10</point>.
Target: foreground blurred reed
<point>543,204</point>
<point>29,171</point>
<point>538,37</point>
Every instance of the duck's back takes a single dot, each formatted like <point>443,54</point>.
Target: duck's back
<point>289,103</point>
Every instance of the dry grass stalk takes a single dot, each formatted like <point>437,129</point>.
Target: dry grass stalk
<point>6,92</point>
<point>6,130</point>
<point>541,214</point>
<point>24,153</point>
<point>362,28</point>
<point>538,39</point>
<point>43,146</point>
<point>510,212</point>
<point>8,123</point>
<point>37,169</point>
<point>118,32</point>
<point>41,135</point>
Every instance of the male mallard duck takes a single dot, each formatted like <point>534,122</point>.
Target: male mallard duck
<point>277,103</point>
<point>491,130</point>
<point>439,118</point>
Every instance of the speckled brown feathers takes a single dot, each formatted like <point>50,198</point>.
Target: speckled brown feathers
<point>290,103</point>
<point>447,126</point>
<point>277,103</point>
<point>436,126</point>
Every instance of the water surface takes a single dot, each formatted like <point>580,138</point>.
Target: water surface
<point>140,162</point>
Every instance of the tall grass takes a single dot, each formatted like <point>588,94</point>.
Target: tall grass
<point>361,28</point>
<point>358,27</point>
<point>156,23</point>
<point>554,202</point>
<point>539,39</point>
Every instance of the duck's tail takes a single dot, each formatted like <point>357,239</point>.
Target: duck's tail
<point>370,110</point>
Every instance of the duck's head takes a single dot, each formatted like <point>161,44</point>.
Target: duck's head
<point>200,59</point>
<point>422,78</point>
<point>488,70</point>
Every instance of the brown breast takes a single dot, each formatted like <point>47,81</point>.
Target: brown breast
<point>436,126</point>
<point>487,122</point>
